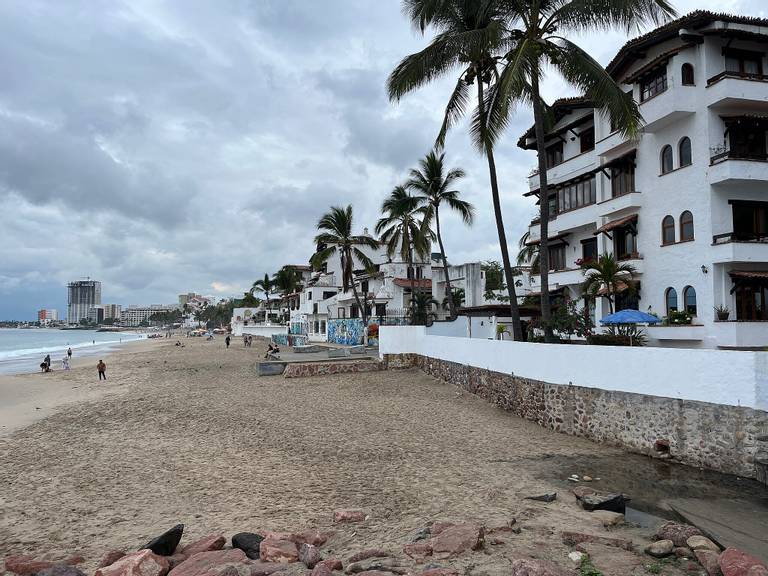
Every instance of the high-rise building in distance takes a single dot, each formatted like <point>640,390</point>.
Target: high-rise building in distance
<point>82,296</point>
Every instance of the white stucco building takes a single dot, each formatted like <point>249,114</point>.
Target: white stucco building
<point>687,203</point>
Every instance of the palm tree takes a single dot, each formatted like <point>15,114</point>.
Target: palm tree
<point>432,183</point>
<point>528,253</point>
<point>403,229</point>
<point>457,298</point>
<point>471,37</point>
<point>286,279</point>
<point>539,43</point>
<point>336,236</point>
<point>422,310</point>
<point>267,286</point>
<point>606,277</point>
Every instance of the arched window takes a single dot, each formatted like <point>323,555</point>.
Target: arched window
<point>668,230</point>
<point>686,71</point>
<point>666,159</point>
<point>670,297</point>
<point>685,151</point>
<point>686,226</point>
<point>689,300</point>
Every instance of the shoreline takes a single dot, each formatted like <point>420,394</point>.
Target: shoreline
<point>30,397</point>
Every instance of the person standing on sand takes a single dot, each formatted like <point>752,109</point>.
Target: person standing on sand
<point>227,340</point>
<point>102,368</point>
<point>69,353</point>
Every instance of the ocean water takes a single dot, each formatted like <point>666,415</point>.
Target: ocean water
<point>22,350</point>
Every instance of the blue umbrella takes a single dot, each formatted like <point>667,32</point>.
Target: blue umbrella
<point>629,316</point>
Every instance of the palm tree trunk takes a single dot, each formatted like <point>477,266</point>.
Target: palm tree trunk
<point>448,289</point>
<point>360,307</point>
<point>538,119</point>
<point>517,329</point>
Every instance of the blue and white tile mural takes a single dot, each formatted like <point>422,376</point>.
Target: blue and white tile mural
<point>348,331</point>
<point>289,339</point>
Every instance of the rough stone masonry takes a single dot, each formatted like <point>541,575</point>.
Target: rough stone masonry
<point>714,436</point>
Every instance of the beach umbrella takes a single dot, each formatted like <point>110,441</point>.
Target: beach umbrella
<point>629,316</point>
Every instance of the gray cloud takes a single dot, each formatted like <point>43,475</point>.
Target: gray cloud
<point>166,147</point>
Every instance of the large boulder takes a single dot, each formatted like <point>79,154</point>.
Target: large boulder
<point>311,536</point>
<point>457,539</point>
<point>111,557</point>
<point>418,551</point>
<point>702,543</point>
<point>309,555</point>
<point>26,565</point>
<point>660,548</point>
<point>141,563</point>
<point>166,543</point>
<point>530,567</point>
<point>231,562</point>
<point>206,544</point>
<point>677,532</point>
<point>610,502</point>
<point>734,562</point>
<point>248,542</point>
<point>709,561</point>
<point>390,565</point>
<point>608,518</point>
<point>278,550</point>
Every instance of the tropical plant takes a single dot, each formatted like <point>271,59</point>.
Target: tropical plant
<point>287,279</point>
<point>336,237</point>
<point>403,229</point>
<point>471,37</point>
<point>606,277</point>
<point>432,183</point>
<point>722,312</point>
<point>422,310</point>
<point>540,43</point>
<point>265,285</point>
<point>528,254</point>
<point>455,298</point>
<point>494,280</point>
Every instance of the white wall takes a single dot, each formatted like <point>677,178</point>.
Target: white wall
<point>736,378</point>
<point>262,330</point>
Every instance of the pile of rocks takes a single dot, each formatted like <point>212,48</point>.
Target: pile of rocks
<point>685,541</point>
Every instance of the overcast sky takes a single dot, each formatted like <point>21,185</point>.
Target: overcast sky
<point>191,145</point>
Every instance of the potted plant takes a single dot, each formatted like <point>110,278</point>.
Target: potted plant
<point>722,312</point>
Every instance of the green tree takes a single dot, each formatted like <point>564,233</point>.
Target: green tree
<point>606,277</point>
<point>336,237</point>
<point>471,36</point>
<point>528,253</point>
<point>540,44</point>
<point>423,308</point>
<point>403,230</point>
<point>432,182</point>
<point>267,287</point>
<point>456,297</point>
<point>287,279</point>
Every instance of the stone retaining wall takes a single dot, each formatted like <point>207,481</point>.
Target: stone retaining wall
<point>325,368</point>
<point>713,436</point>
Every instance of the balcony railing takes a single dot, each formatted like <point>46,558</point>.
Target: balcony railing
<point>739,75</point>
<point>750,237</point>
<point>721,153</point>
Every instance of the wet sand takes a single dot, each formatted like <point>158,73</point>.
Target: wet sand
<point>193,435</point>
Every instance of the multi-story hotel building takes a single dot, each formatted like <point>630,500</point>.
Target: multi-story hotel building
<point>687,202</point>
<point>82,296</point>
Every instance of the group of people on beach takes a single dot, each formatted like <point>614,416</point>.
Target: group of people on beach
<point>45,365</point>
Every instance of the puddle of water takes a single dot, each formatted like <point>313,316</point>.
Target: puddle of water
<point>649,482</point>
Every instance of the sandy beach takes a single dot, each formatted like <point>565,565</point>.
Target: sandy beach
<point>193,435</point>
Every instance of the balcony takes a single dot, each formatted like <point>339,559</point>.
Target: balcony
<point>566,170</point>
<point>666,108</point>
<point>568,277</point>
<point>636,261</point>
<point>732,167</point>
<point>734,89</point>
<point>738,247</point>
<point>614,145</point>
<point>612,206</point>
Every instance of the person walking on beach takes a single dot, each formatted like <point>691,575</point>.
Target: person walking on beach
<point>69,353</point>
<point>227,340</point>
<point>102,368</point>
<point>250,340</point>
